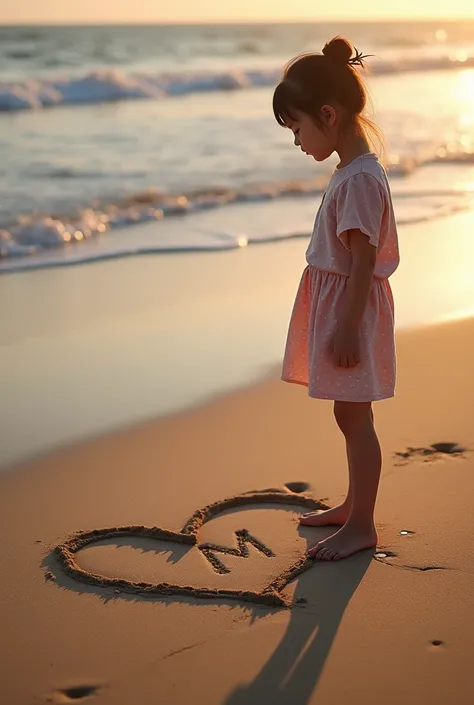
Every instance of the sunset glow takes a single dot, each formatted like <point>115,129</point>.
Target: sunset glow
<point>118,11</point>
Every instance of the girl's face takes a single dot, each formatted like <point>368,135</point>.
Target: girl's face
<point>317,143</point>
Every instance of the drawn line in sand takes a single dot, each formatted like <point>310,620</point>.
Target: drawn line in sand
<point>270,595</point>
<point>243,538</point>
<point>382,554</point>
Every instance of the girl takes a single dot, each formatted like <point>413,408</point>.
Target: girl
<point>341,339</point>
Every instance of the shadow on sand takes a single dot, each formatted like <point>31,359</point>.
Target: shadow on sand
<point>292,672</point>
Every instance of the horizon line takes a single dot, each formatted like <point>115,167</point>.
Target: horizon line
<point>198,22</point>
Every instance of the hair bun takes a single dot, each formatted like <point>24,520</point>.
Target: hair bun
<point>339,50</point>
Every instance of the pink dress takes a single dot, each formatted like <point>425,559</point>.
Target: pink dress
<point>357,197</point>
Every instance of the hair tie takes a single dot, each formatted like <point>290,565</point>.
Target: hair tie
<point>359,58</point>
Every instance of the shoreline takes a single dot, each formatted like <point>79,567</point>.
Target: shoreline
<point>92,349</point>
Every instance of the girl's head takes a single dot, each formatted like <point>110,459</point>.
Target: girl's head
<point>322,98</point>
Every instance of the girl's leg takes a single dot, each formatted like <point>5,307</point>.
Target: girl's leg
<point>356,421</point>
<point>336,515</point>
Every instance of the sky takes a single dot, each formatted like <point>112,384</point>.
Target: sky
<point>100,11</point>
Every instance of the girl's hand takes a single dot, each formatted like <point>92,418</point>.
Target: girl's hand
<point>346,347</point>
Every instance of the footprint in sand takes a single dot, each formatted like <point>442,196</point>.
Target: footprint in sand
<point>79,692</point>
<point>430,453</point>
<point>297,486</point>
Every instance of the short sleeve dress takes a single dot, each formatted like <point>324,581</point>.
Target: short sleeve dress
<point>357,197</point>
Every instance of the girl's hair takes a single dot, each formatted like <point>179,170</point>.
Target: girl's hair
<point>312,80</point>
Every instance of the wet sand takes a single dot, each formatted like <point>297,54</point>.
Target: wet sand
<point>95,348</point>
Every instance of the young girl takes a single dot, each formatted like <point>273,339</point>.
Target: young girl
<point>341,338</point>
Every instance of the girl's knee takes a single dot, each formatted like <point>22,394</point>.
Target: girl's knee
<point>352,416</point>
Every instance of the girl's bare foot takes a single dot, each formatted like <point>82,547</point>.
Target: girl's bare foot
<point>348,540</point>
<point>330,517</point>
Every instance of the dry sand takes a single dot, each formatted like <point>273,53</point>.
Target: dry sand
<point>392,630</point>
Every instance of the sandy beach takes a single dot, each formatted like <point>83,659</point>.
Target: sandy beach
<point>390,628</point>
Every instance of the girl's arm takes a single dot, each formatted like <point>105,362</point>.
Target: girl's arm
<point>346,341</point>
<point>360,279</point>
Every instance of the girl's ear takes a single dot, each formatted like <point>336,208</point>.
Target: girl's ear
<point>328,115</point>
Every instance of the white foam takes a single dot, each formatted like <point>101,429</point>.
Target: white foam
<point>97,87</point>
<point>107,85</point>
<point>97,234</point>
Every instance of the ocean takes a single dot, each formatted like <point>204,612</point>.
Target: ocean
<point>111,126</point>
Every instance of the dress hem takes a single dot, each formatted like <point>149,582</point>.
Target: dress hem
<point>332,397</point>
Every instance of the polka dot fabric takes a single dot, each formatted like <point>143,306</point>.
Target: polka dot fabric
<point>308,360</point>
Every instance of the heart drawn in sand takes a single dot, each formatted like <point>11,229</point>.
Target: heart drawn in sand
<point>270,595</point>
